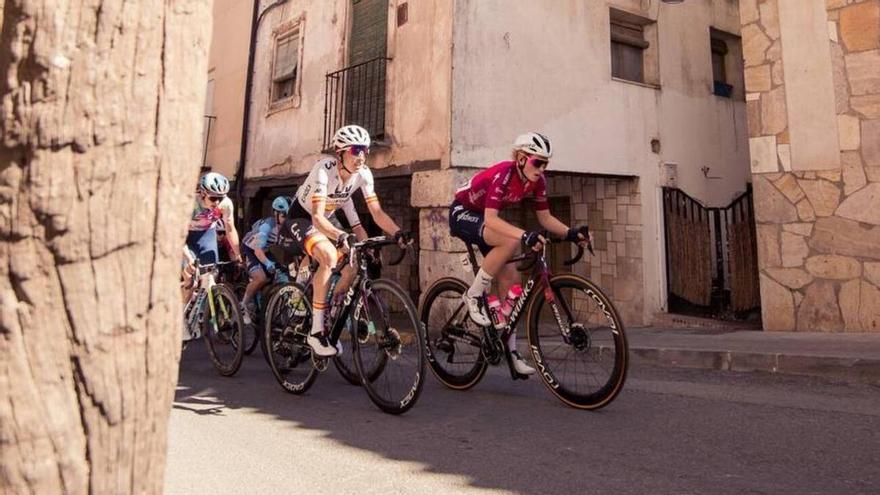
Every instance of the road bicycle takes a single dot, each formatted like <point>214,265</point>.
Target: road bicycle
<point>212,312</point>
<point>381,324</point>
<point>575,335</point>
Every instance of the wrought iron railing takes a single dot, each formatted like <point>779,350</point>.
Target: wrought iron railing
<point>206,137</point>
<point>356,95</point>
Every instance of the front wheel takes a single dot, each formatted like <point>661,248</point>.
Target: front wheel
<point>453,343</point>
<point>390,348</point>
<point>223,329</point>
<point>288,320</point>
<point>578,343</point>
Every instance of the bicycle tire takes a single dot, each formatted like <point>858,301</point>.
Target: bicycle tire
<point>284,342</point>
<point>345,363</point>
<point>463,377</point>
<point>581,344</point>
<point>396,338</point>
<point>233,327</point>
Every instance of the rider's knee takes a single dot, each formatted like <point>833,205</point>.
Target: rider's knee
<point>325,253</point>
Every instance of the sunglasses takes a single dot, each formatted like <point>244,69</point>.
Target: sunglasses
<point>214,199</point>
<point>358,149</point>
<point>538,162</point>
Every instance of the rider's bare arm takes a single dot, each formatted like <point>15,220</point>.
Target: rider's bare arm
<point>551,223</point>
<point>499,226</point>
<point>319,220</point>
<point>360,232</point>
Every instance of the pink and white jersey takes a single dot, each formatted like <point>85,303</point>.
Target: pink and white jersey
<point>499,186</point>
<point>204,218</point>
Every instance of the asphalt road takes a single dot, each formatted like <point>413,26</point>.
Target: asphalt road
<point>670,431</point>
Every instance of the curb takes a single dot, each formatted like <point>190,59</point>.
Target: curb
<point>848,369</point>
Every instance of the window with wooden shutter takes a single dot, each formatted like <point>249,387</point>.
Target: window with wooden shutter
<point>629,46</point>
<point>285,67</point>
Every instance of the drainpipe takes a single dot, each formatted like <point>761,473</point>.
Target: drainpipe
<point>257,17</point>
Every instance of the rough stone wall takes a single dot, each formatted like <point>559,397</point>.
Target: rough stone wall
<point>612,207</point>
<point>818,231</point>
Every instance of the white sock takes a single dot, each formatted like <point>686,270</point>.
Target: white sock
<point>481,284</point>
<point>511,342</point>
<point>318,317</point>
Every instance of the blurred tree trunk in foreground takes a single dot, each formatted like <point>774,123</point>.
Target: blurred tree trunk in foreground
<point>101,129</point>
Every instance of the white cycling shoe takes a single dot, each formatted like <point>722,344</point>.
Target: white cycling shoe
<point>520,364</point>
<point>319,345</point>
<point>475,310</point>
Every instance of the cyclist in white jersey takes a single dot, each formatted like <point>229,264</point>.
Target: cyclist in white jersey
<point>327,188</point>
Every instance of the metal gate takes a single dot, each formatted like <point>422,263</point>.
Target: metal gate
<point>711,256</point>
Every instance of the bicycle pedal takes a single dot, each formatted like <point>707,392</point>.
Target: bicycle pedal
<point>319,363</point>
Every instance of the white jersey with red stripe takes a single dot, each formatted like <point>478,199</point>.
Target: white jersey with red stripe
<point>324,183</point>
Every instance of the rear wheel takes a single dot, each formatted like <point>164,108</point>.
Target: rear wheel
<point>578,343</point>
<point>453,341</point>
<point>390,347</point>
<point>288,320</point>
<point>224,330</point>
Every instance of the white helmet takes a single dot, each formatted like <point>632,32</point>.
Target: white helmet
<point>214,183</point>
<point>534,144</point>
<point>351,135</point>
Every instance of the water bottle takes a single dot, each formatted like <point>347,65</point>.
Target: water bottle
<point>513,295</point>
<point>495,311</point>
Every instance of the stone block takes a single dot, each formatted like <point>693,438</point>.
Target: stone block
<point>609,209</point>
<point>863,205</point>
<point>863,70</point>
<point>763,154</point>
<point>436,188</point>
<point>819,312</point>
<point>872,174</point>
<point>836,235</point>
<point>848,132</point>
<point>871,142</point>
<point>834,4</point>
<point>777,73</point>
<point>823,195</point>
<point>634,215</point>
<point>872,272</point>
<point>434,231</point>
<point>770,204</point>
<point>867,106</point>
<point>753,115</point>
<point>853,172</point>
<point>434,265</point>
<point>834,267</point>
<point>581,212</point>
<point>777,306</point>
<point>755,44</point>
<point>793,278</point>
<point>794,250</point>
<point>783,153</point>
<point>850,293</point>
<point>758,78</point>
<point>789,187</point>
<point>805,211</point>
<point>774,117</point>
<point>841,85</point>
<point>803,229</point>
<point>748,11</point>
<point>832,32</point>
<point>770,18</point>
<point>768,245</point>
<point>860,26</point>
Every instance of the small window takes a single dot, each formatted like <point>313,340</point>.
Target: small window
<point>722,86</point>
<point>633,54</point>
<point>285,67</point>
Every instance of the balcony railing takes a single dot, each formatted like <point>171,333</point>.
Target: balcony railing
<point>356,95</point>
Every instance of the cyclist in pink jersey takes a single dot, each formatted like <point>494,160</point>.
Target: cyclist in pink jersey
<point>473,217</point>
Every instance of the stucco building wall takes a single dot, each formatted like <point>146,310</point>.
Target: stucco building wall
<point>227,68</point>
